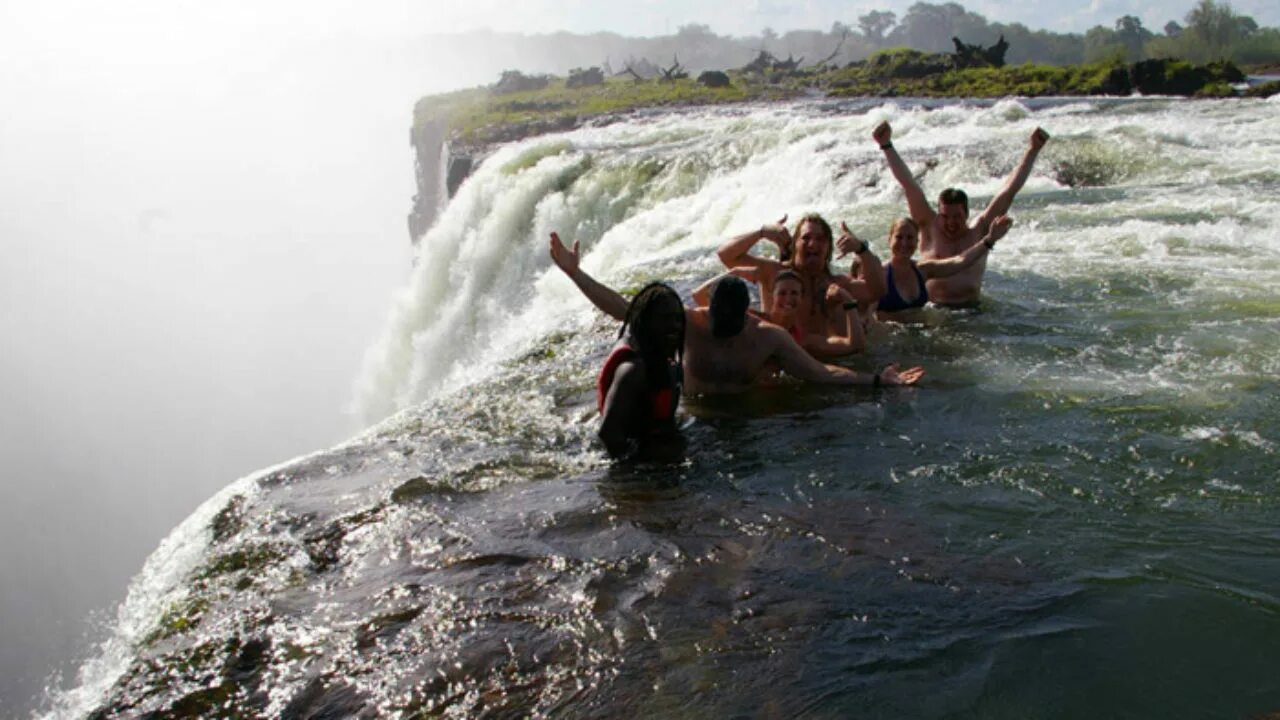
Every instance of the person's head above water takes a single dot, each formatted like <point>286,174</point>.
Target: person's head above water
<point>788,290</point>
<point>811,245</point>
<point>655,319</point>
<point>903,237</point>
<point>953,210</point>
<point>729,302</point>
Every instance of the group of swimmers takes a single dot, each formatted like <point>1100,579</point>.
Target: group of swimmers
<point>808,313</point>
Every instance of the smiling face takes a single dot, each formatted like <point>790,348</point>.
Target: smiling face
<point>812,246</point>
<point>787,293</point>
<point>903,238</point>
<point>953,213</point>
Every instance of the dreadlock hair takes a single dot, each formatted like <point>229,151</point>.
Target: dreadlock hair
<point>639,317</point>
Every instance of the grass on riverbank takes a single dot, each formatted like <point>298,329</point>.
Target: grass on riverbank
<point>480,117</point>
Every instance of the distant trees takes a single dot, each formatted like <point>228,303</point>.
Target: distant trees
<point>1210,30</point>
<point>1214,31</point>
<point>875,24</point>
<point>930,27</point>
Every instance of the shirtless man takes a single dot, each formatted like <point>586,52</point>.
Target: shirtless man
<point>808,253</point>
<point>725,349</point>
<point>948,232</point>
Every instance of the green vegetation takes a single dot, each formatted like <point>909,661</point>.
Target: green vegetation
<point>476,116</point>
<point>181,617</point>
<point>1027,80</point>
<point>481,116</point>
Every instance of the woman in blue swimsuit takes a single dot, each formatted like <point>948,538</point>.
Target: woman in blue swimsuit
<point>905,277</point>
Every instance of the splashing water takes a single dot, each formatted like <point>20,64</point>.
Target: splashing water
<point>1084,489</point>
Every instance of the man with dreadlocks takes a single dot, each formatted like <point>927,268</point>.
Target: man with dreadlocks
<point>716,349</point>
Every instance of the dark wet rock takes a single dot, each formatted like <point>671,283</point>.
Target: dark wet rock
<point>714,78</point>
<point>229,521</point>
<point>459,168</point>
<point>1179,77</point>
<point>1265,90</point>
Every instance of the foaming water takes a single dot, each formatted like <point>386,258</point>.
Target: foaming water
<point>1083,489</point>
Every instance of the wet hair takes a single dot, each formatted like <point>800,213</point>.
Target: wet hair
<point>639,320</point>
<point>904,219</point>
<point>954,196</point>
<point>729,302</point>
<point>786,256</point>
<point>787,274</point>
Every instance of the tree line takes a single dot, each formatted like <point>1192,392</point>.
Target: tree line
<point>1210,30</point>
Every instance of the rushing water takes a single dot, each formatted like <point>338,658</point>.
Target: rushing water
<point>1074,516</point>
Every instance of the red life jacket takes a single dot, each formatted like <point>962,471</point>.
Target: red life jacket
<point>662,402</point>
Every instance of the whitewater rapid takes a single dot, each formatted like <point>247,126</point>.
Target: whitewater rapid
<point>653,198</point>
<point>1095,448</point>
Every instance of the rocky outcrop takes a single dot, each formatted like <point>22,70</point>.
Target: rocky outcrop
<point>428,140</point>
<point>1179,77</point>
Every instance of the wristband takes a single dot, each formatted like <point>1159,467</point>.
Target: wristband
<point>991,244</point>
<point>851,306</point>
<point>886,146</point>
<point>865,247</point>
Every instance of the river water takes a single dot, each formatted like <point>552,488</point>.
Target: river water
<point>1074,515</point>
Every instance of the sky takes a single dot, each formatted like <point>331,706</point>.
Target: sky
<point>733,17</point>
<point>150,24</point>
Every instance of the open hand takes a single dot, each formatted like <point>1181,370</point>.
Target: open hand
<point>847,242</point>
<point>883,133</point>
<point>563,257</point>
<point>1038,138</point>
<point>892,376</point>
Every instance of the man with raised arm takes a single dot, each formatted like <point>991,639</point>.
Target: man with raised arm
<point>807,253</point>
<point>725,349</point>
<point>948,232</point>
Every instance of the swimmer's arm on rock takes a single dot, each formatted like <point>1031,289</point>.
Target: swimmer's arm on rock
<point>934,268</point>
<point>917,203</point>
<point>605,298</point>
<point>735,251</point>
<point>1003,200</point>
<point>622,404</point>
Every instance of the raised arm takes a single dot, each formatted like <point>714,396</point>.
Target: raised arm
<point>871,286</point>
<point>607,299</point>
<point>934,268</point>
<point>917,203</point>
<point>1003,200</point>
<point>735,252</point>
